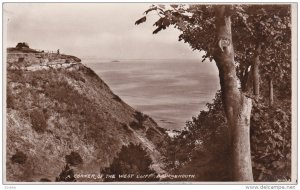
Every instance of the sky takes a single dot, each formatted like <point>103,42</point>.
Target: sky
<point>101,30</point>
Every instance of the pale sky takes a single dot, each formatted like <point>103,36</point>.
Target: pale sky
<point>101,30</point>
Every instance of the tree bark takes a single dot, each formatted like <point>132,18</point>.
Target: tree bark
<point>271,98</point>
<point>237,106</point>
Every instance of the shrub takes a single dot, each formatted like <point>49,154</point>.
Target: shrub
<point>139,123</point>
<point>38,121</point>
<point>73,159</point>
<point>19,157</point>
<point>140,117</point>
<point>67,175</point>
<point>132,159</point>
<point>21,45</point>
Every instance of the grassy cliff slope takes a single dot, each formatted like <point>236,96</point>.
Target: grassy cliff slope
<point>56,106</point>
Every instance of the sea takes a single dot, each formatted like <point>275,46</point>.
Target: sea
<point>170,91</point>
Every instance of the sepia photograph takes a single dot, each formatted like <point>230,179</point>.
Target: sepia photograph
<point>149,93</point>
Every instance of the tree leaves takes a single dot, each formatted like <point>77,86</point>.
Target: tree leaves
<point>158,29</point>
<point>251,25</point>
<point>181,25</point>
<point>270,138</point>
<point>141,20</point>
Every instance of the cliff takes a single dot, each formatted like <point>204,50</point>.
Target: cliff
<point>57,107</point>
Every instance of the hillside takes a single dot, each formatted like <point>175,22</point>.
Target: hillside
<point>56,106</point>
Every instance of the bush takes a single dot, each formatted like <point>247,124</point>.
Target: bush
<point>140,117</point>
<point>67,175</point>
<point>19,157</point>
<point>73,159</point>
<point>38,121</point>
<point>21,45</point>
<point>132,159</point>
<point>139,123</point>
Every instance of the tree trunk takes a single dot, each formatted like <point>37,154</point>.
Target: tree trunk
<point>237,105</point>
<point>256,77</point>
<point>271,100</point>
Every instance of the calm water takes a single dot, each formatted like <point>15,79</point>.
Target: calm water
<point>170,91</point>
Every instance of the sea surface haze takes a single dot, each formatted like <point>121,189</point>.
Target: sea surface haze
<point>170,91</point>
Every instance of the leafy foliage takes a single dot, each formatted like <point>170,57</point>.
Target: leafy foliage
<point>271,143</point>
<point>202,147</point>
<point>132,159</point>
<point>66,175</point>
